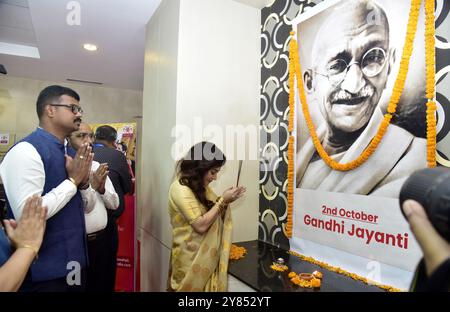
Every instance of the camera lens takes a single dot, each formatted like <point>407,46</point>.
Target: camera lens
<point>431,188</point>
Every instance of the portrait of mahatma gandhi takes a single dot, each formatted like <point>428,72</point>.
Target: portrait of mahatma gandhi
<point>351,59</point>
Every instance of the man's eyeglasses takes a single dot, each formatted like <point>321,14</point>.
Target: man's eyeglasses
<point>371,64</point>
<point>74,108</point>
<point>83,135</point>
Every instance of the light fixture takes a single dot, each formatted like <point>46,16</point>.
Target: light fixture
<point>18,49</point>
<point>90,47</point>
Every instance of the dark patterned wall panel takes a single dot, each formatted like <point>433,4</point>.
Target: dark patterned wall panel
<point>275,28</point>
<point>443,77</point>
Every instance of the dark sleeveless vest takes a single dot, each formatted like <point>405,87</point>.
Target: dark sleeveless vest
<point>65,232</point>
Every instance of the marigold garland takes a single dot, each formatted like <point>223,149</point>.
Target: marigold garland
<point>291,82</point>
<point>291,143</point>
<point>343,272</point>
<point>295,70</point>
<point>290,186</point>
<point>430,60</point>
<point>396,94</point>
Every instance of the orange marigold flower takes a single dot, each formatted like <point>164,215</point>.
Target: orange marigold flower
<point>237,252</point>
<point>315,282</point>
<point>292,274</point>
<point>279,267</point>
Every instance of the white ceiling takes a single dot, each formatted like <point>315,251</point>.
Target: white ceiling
<point>15,23</point>
<point>116,26</point>
<point>256,3</point>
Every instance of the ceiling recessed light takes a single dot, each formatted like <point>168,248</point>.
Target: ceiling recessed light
<point>90,47</point>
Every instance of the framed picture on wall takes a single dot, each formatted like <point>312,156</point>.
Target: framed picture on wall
<point>349,54</point>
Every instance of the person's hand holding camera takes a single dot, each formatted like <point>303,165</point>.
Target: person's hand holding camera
<point>435,248</point>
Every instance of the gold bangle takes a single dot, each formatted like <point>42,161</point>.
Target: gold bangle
<point>219,202</point>
<point>72,180</point>
<point>29,247</point>
<point>222,207</point>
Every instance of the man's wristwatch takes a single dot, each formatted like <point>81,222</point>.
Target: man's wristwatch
<point>84,186</point>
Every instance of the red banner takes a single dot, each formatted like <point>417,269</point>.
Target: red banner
<point>125,275</point>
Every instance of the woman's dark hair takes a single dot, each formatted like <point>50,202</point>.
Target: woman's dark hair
<point>191,170</point>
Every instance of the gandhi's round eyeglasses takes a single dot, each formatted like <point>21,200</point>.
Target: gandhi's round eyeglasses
<point>371,64</point>
<point>74,108</point>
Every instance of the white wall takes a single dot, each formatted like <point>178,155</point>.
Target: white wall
<point>202,60</point>
<point>101,105</point>
<point>218,86</point>
<point>157,165</point>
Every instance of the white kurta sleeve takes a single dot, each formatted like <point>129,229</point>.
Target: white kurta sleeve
<point>23,175</point>
<point>110,198</point>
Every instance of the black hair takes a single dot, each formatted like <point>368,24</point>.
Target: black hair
<point>124,146</point>
<point>191,170</point>
<point>50,95</point>
<point>106,133</point>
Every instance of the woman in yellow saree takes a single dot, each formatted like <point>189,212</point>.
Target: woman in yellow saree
<point>201,222</point>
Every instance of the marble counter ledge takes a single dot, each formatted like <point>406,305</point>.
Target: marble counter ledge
<point>254,271</point>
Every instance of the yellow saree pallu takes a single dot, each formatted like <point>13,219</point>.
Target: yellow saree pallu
<point>199,262</point>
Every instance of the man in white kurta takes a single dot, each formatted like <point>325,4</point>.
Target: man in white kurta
<point>104,197</point>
